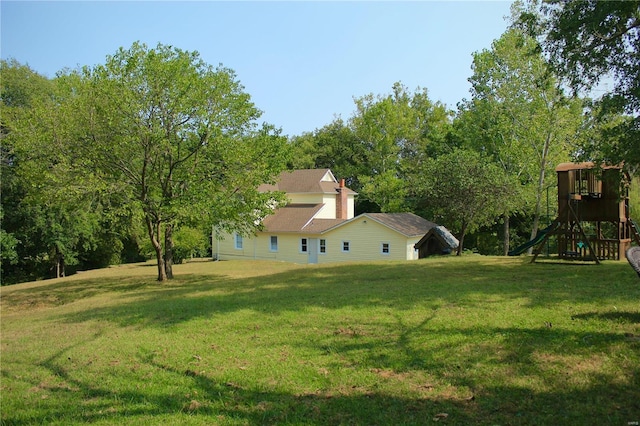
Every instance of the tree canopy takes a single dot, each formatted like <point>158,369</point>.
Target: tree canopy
<point>153,133</point>
<point>179,138</point>
<point>382,147</point>
<point>593,42</point>
<point>465,190</point>
<point>520,117</point>
<point>155,141</point>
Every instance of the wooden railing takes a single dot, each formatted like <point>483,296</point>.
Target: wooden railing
<point>572,247</point>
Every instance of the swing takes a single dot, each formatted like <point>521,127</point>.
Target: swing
<point>633,256</point>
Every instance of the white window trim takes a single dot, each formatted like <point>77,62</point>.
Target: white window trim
<point>382,248</point>
<point>320,246</point>
<point>348,246</point>
<point>238,238</point>
<point>304,245</point>
<point>271,249</point>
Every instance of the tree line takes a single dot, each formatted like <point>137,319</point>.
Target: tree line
<point>142,155</point>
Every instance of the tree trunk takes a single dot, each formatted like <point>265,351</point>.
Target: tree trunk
<point>168,250</point>
<point>154,231</point>
<point>59,264</point>
<point>461,239</point>
<point>543,166</point>
<point>506,234</point>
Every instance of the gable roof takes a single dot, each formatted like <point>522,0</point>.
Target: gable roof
<point>319,226</point>
<point>407,224</point>
<point>314,181</point>
<point>445,237</point>
<point>300,218</point>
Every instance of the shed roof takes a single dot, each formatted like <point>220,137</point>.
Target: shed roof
<point>441,233</point>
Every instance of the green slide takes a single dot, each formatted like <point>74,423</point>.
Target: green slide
<point>537,240</point>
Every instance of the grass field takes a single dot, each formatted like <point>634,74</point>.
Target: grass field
<point>460,341</point>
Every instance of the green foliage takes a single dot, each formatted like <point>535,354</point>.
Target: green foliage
<point>519,116</point>
<point>382,148</point>
<point>51,220</point>
<point>189,243</point>
<point>592,42</point>
<point>484,340</point>
<point>8,244</point>
<point>176,139</point>
<point>465,190</point>
<point>634,199</point>
<point>153,136</point>
<point>399,132</point>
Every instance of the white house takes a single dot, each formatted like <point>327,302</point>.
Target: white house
<point>318,226</point>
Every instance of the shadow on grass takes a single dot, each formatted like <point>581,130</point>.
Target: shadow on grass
<point>214,401</point>
<point>400,286</point>
<point>616,316</point>
<point>451,354</point>
<point>62,292</point>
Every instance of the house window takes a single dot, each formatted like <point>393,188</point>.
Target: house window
<point>385,248</point>
<point>323,246</point>
<point>238,242</point>
<point>304,245</point>
<point>273,244</point>
<point>346,246</point>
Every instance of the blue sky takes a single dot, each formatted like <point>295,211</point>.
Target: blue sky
<point>301,62</point>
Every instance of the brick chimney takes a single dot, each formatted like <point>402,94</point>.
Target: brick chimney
<point>341,202</point>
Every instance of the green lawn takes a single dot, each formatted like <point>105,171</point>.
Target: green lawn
<point>465,341</point>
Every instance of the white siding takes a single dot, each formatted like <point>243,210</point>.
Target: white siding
<point>305,198</point>
<point>351,209</point>
<point>329,201</point>
<point>364,235</point>
<point>329,210</point>
<point>412,253</point>
<point>259,247</point>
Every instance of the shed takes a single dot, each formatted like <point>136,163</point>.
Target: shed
<point>437,241</point>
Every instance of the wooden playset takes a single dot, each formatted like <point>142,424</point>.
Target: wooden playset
<point>593,220</point>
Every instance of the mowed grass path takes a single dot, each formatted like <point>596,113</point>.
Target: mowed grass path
<point>471,340</point>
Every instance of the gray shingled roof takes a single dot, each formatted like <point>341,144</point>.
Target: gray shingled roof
<point>408,224</point>
<point>318,226</point>
<point>447,237</point>
<point>443,234</point>
<point>303,181</point>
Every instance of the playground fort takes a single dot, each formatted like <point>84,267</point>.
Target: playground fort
<point>593,220</point>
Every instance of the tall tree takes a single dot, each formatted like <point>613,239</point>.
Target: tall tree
<point>58,218</point>
<point>465,190</point>
<point>381,148</point>
<point>19,88</point>
<point>398,132</point>
<point>46,223</point>
<point>332,146</point>
<point>178,138</point>
<point>520,116</point>
<point>591,42</point>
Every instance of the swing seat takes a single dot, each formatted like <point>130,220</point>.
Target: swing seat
<point>633,256</point>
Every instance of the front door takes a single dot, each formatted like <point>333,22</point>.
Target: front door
<point>313,250</point>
